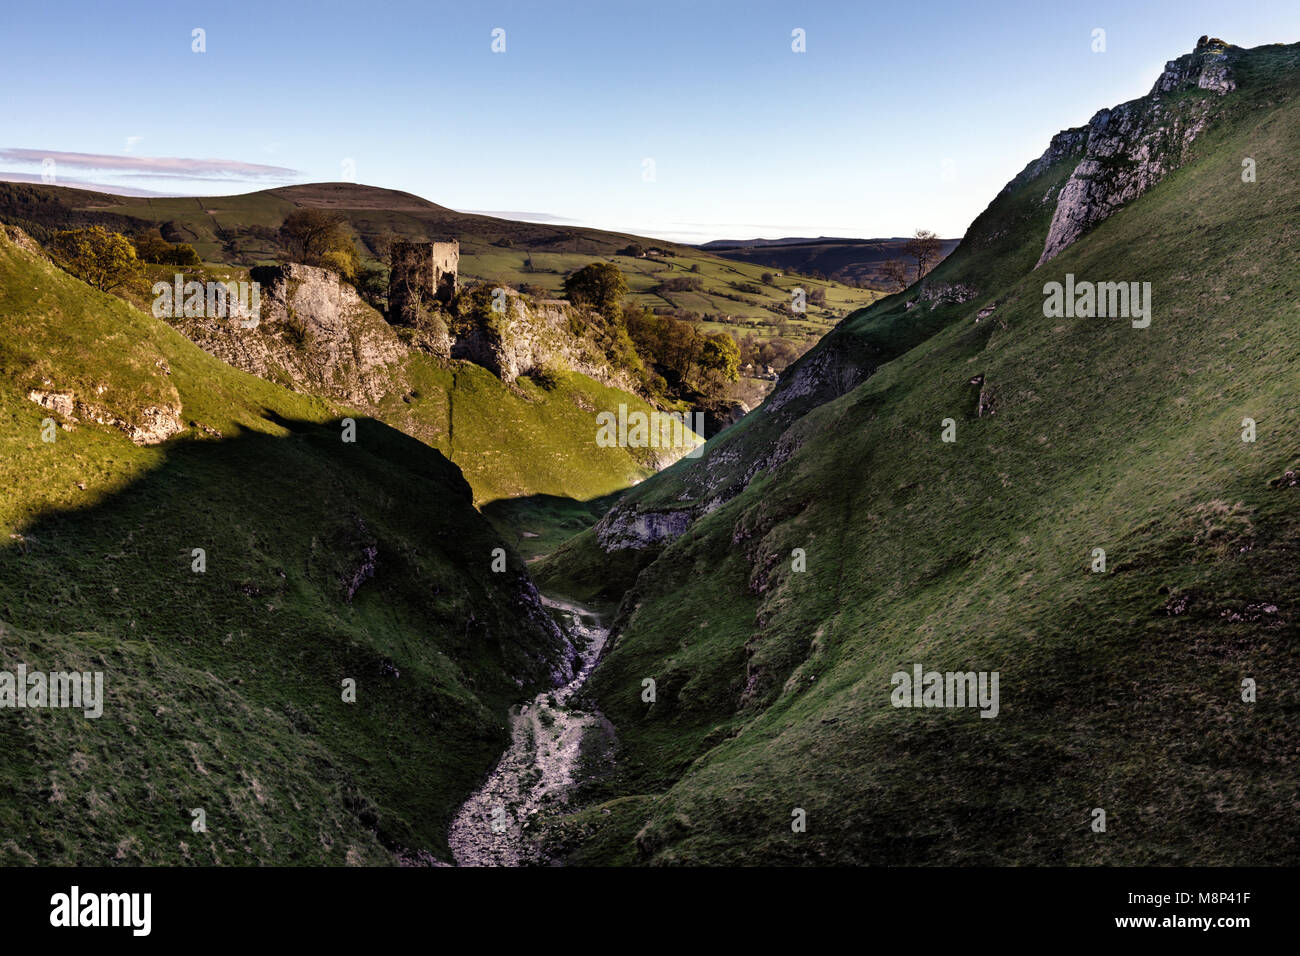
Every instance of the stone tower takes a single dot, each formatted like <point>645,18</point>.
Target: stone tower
<point>421,273</point>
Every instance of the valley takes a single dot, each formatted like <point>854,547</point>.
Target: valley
<point>474,542</point>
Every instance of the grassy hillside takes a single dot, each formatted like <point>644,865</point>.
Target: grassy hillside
<point>1119,690</point>
<point>325,560</point>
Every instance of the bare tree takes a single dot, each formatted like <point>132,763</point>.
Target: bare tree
<point>924,247</point>
<point>895,271</point>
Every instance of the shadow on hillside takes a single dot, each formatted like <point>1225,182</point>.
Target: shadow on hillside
<point>276,489</point>
<point>321,560</point>
<point>538,524</point>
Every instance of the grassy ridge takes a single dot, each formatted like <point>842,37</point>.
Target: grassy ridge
<point>1119,691</point>
<point>224,688</point>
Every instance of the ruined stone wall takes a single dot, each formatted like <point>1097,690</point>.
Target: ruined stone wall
<point>421,274</point>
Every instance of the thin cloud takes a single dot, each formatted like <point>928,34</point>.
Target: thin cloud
<point>171,166</point>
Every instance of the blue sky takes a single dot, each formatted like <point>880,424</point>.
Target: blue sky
<point>898,115</point>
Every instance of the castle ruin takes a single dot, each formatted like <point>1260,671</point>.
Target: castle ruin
<point>421,273</point>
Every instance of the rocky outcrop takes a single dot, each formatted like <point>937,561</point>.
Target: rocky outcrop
<point>525,336</point>
<point>1130,148</point>
<point>315,335</point>
<point>150,425</point>
<point>721,413</point>
<point>25,242</point>
<point>1207,67</point>
<point>943,293</point>
<point>621,529</point>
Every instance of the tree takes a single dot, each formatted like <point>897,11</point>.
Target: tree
<point>311,234</point>
<point>344,262</point>
<point>721,357</point>
<point>372,285</point>
<point>103,259</point>
<point>895,272</point>
<point>924,248</point>
<point>152,247</point>
<point>599,286</point>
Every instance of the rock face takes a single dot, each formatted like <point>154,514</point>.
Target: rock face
<point>819,377</point>
<point>315,334</point>
<point>523,338</point>
<point>637,529</point>
<point>25,242</point>
<point>1130,148</point>
<point>721,413</point>
<point>150,425</point>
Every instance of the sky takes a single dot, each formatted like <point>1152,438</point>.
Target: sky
<point>687,121</point>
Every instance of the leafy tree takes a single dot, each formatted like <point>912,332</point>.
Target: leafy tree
<point>344,262</point>
<point>720,357</point>
<point>372,285</point>
<point>599,286</point>
<point>152,247</point>
<point>182,254</point>
<point>103,259</point>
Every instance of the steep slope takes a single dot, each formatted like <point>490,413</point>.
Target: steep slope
<point>324,561</point>
<point>1119,690</point>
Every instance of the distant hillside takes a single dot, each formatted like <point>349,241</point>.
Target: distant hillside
<point>853,261</point>
<point>241,231</point>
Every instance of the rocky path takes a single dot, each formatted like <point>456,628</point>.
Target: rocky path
<point>536,771</point>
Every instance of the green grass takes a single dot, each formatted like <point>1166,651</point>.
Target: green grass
<point>773,686</point>
<point>224,688</point>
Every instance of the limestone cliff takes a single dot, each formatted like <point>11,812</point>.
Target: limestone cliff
<point>510,336</point>
<point>315,334</point>
<point>1130,148</point>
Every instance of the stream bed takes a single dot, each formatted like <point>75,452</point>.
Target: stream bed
<point>536,771</point>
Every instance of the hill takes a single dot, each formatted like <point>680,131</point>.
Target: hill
<point>241,231</point>
<point>858,262</point>
<point>322,561</point>
<point>773,588</point>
